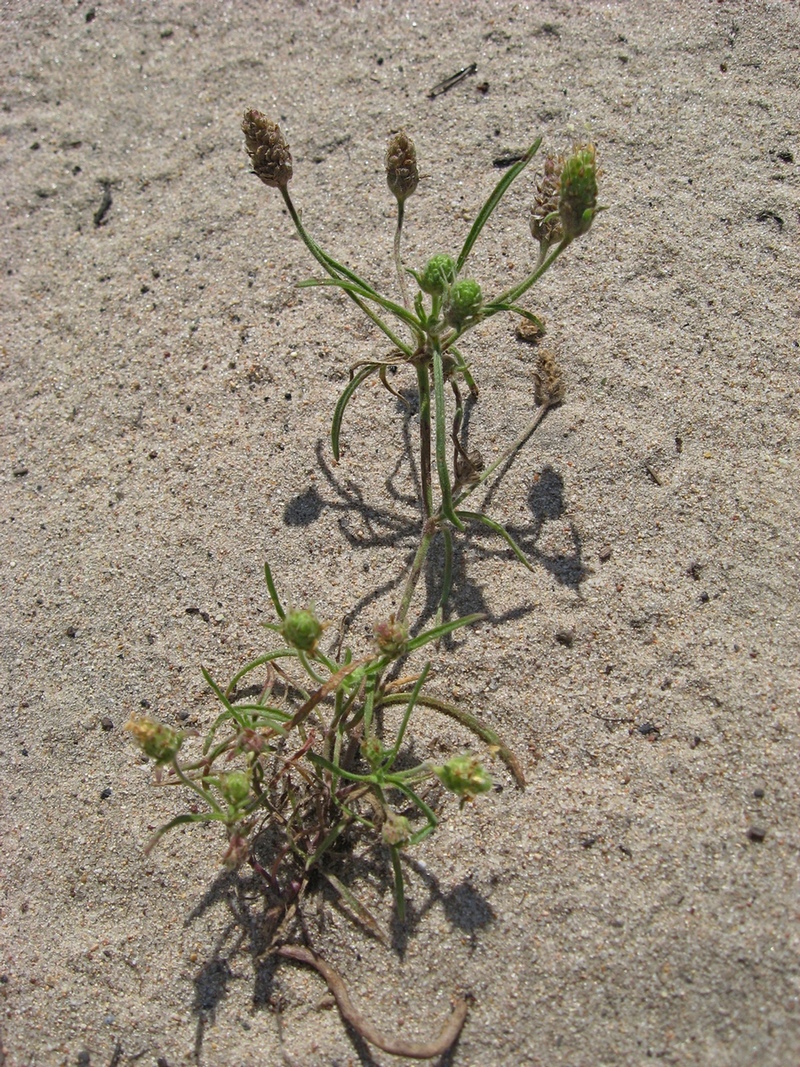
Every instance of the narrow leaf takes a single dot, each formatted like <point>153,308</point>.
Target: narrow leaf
<point>494,199</point>
<point>498,528</point>
<point>361,910</point>
<point>344,399</point>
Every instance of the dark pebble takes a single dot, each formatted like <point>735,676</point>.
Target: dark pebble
<point>756,833</point>
<point>565,637</point>
<point>105,794</point>
<point>107,723</point>
<point>70,631</point>
<point>758,793</point>
<point>19,472</point>
<point>588,842</point>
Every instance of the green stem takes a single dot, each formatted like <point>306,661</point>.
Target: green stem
<point>512,295</point>
<point>429,532</point>
<point>337,271</point>
<point>398,263</point>
<point>425,473</point>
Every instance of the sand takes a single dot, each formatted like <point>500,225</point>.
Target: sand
<point>166,397</point>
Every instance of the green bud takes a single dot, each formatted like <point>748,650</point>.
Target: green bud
<point>464,776</point>
<point>463,302</point>
<point>156,740</point>
<point>577,204</point>
<point>391,637</point>
<point>439,275</point>
<point>235,787</point>
<point>396,830</point>
<point>372,751</point>
<point>302,630</point>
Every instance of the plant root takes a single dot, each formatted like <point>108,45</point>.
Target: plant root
<point>399,1047</point>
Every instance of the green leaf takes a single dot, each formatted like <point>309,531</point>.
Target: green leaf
<point>388,305</point>
<point>496,196</point>
<point>273,592</point>
<point>343,401</point>
<point>180,820</point>
<point>485,733</point>
<point>437,632</point>
<point>498,528</point>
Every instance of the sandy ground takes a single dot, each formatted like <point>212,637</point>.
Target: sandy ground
<point>166,393</point>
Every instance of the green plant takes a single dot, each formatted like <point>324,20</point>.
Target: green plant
<point>318,754</point>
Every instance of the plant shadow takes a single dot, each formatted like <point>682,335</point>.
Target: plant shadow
<point>252,924</point>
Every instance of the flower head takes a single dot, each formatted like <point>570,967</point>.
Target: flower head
<point>302,630</point>
<point>402,175</point>
<point>577,203</point>
<point>545,221</point>
<point>439,274</point>
<point>464,775</point>
<point>269,153</point>
<point>391,637</point>
<point>156,740</point>
<point>463,302</point>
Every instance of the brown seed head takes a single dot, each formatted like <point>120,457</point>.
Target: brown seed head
<point>402,175</point>
<point>546,203</point>
<point>269,153</point>
<point>549,386</point>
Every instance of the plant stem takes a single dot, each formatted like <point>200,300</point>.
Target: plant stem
<point>424,386</point>
<point>513,448</point>
<point>398,263</point>
<point>428,533</point>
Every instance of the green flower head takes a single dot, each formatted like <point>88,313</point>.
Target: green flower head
<point>235,787</point>
<point>439,275</point>
<point>577,204</point>
<point>156,740</point>
<point>463,302</point>
<point>464,775</point>
<point>302,630</point>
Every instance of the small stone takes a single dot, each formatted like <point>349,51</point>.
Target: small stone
<point>107,723</point>
<point>756,833</point>
<point>70,631</point>
<point>565,637</point>
<point>19,472</point>
<point>105,794</point>
<point>604,555</point>
<point>758,793</point>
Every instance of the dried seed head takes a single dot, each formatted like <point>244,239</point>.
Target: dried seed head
<point>463,302</point>
<point>577,204</point>
<point>269,153</point>
<point>391,637</point>
<point>544,229</point>
<point>549,386</point>
<point>402,175</point>
<point>396,830</point>
<point>156,740</point>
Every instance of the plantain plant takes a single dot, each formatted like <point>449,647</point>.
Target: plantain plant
<point>310,752</point>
